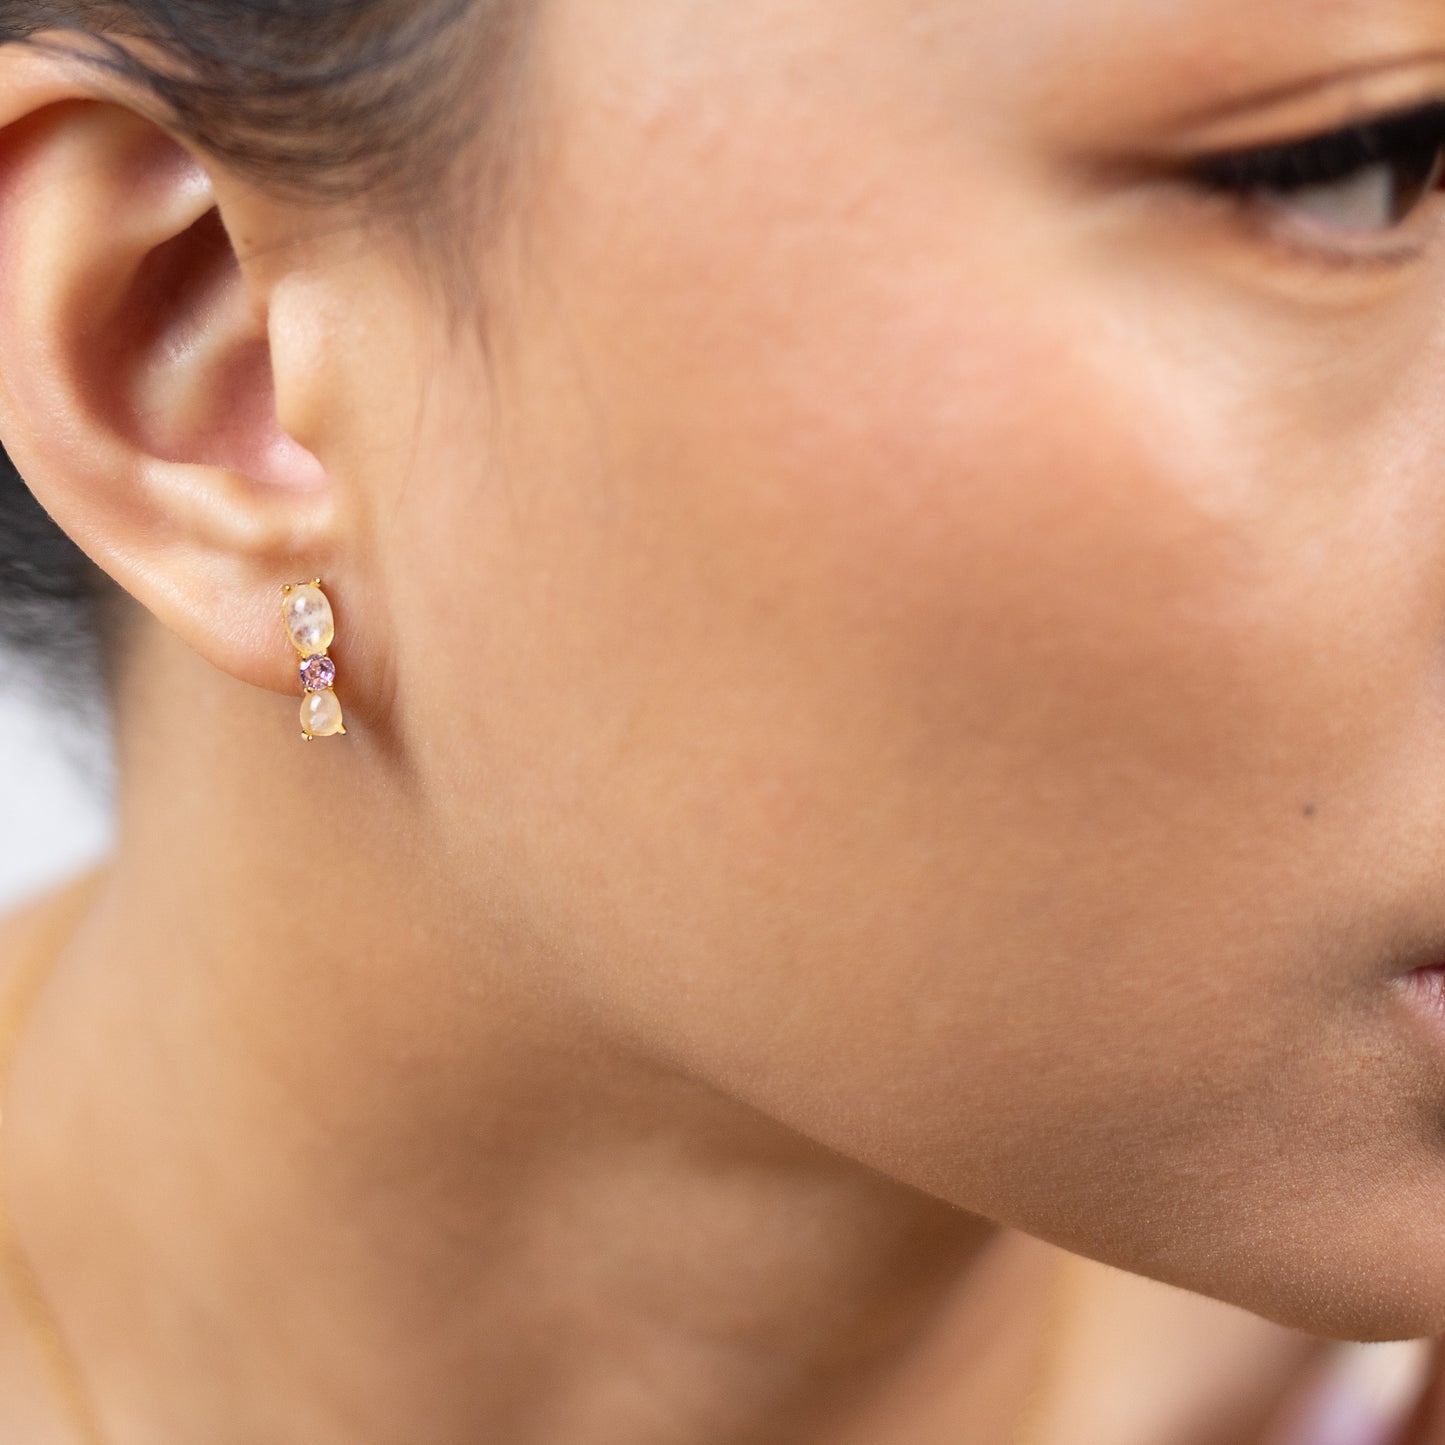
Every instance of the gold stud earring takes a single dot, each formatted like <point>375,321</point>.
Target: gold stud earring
<point>312,628</point>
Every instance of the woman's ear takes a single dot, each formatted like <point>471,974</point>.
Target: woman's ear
<point>140,295</point>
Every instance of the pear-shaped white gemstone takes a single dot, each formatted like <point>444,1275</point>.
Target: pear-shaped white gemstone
<point>321,715</point>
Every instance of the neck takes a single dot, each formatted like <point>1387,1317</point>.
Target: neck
<point>296,1153</point>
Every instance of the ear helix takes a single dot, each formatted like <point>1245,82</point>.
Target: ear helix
<point>312,629</point>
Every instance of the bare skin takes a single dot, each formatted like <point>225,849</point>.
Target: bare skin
<point>1016,1350</point>
<point>894,736</point>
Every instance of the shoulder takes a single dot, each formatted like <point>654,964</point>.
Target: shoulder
<point>28,928</point>
<point>28,932</point>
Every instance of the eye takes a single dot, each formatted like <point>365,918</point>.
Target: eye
<point>1369,178</point>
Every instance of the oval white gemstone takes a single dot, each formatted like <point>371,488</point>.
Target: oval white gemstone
<point>321,714</point>
<point>309,619</point>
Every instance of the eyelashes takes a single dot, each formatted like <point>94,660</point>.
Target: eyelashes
<point>1370,177</point>
<point>1364,179</point>
<point>1331,157</point>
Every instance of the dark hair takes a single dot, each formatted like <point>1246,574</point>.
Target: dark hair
<point>394,108</point>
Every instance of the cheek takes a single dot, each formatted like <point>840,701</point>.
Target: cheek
<point>869,706</point>
<point>918,747</point>
<point>887,680</point>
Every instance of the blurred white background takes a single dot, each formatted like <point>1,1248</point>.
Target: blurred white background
<point>55,789</point>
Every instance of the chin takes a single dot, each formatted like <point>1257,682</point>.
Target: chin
<point>1366,1300</point>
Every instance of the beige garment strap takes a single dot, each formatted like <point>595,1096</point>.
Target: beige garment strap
<point>16,1006</point>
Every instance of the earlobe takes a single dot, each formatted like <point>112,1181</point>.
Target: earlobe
<point>136,389</point>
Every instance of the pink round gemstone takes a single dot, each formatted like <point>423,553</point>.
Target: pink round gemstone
<point>317,673</point>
